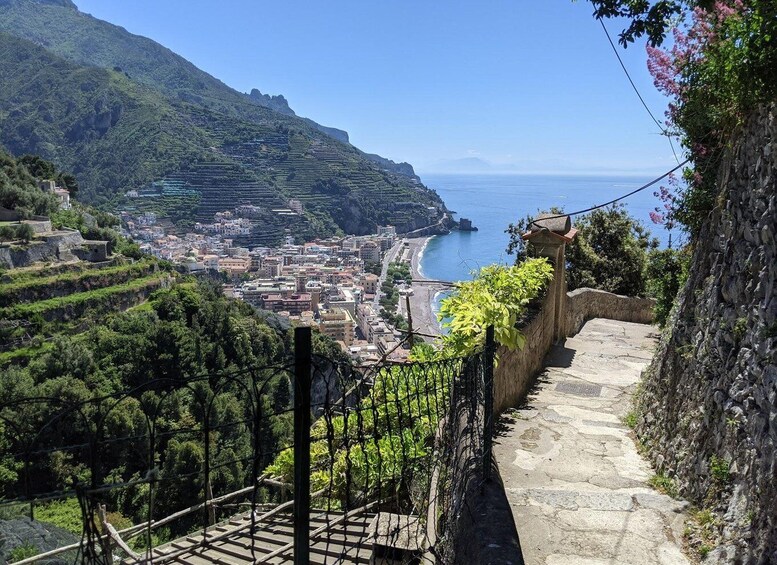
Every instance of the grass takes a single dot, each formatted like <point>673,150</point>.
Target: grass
<point>23,353</point>
<point>23,551</point>
<point>664,484</point>
<point>63,513</point>
<point>630,420</point>
<point>701,532</point>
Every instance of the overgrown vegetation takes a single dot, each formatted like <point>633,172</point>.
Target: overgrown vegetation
<point>609,253</point>
<point>721,66</point>
<point>664,484</point>
<point>702,532</point>
<point>666,273</point>
<point>497,296</point>
<point>19,190</point>
<point>188,330</point>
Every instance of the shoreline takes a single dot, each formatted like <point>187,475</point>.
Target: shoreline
<point>424,319</point>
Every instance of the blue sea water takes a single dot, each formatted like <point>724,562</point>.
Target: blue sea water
<point>494,201</point>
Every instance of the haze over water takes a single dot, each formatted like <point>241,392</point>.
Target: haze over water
<point>494,201</point>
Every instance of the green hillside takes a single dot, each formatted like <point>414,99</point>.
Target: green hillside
<point>140,117</point>
<point>78,37</point>
<point>117,135</point>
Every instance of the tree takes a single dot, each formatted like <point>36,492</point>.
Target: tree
<point>282,394</point>
<point>25,232</point>
<point>39,167</point>
<point>609,253</point>
<point>667,271</point>
<point>68,181</point>
<point>19,191</point>
<point>7,233</point>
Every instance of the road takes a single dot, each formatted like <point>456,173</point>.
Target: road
<point>388,258</point>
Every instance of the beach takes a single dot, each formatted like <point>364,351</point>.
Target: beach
<point>424,318</point>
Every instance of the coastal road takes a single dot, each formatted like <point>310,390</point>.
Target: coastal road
<point>388,258</point>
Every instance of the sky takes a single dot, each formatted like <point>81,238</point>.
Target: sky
<point>526,86</point>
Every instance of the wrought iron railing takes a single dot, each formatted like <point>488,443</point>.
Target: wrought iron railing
<point>353,460</point>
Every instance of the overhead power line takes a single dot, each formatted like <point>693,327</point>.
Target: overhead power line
<point>614,200</point>
<point>663,130</point>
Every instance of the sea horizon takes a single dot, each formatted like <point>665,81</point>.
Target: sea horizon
<point>493,201</point>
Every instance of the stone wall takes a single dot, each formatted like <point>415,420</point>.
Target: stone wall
<point>48,248</point>
<point>516,371</point>
<point>586,303</point>
<point>708,412</point>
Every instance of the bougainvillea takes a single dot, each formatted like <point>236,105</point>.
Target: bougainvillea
<point>721,63</point>
<point>716,70</point>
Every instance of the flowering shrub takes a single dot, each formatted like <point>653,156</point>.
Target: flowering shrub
<point>722,63</point>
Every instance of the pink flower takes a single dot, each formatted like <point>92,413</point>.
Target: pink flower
<point>656,218</point>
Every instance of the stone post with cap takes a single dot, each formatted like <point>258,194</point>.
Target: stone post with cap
<point>548,236</point>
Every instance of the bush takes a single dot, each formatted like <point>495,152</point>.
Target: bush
<point>609,253</point>
<point>25,232</point>
<point>667,271</point>
<point>497,296</point>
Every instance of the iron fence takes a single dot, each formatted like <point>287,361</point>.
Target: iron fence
<point>316,461</point>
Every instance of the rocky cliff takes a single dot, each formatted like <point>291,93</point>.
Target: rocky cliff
<point>708,411</point>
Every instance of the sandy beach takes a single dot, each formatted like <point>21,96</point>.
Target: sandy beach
<point>424,319</point>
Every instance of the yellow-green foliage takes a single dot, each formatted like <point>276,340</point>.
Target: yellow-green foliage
<point>376,450</point>
<point>63,513</point>
<point>497,295</point>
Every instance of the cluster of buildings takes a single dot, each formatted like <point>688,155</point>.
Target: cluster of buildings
<point>62,194</point>
<point>324,283</point>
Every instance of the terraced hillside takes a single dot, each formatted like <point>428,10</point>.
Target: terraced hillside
<point>39,302</point>
<point>139,116</point>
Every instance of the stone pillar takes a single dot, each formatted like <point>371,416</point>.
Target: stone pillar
<point>548,237</point>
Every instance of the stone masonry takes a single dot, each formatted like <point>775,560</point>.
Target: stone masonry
<point>575,482</point>
<point>708,413</point>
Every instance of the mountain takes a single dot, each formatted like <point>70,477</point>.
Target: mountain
<point>127,114</point>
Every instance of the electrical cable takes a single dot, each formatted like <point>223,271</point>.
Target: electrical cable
<point>664,131</point>
<point>614,200</point>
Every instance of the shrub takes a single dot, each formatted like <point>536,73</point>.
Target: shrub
<point>25,232</point>
<point>667,271</point>
<point>609,253</point>
<point>497,296</point>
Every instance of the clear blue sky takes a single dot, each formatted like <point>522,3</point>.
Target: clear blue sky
<point>529,85</point>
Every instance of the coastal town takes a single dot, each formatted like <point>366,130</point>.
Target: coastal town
<point>354,289</point>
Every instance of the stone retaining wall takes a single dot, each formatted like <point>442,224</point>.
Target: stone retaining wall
<point>586,303</point>
<point>516,370</point>
<point>708,411</point>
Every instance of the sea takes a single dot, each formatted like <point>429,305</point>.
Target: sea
<point>492,202</point>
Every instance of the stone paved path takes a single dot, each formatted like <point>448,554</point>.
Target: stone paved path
<point>574,479</point>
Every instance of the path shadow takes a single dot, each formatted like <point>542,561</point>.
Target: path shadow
<point>560,356</point>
